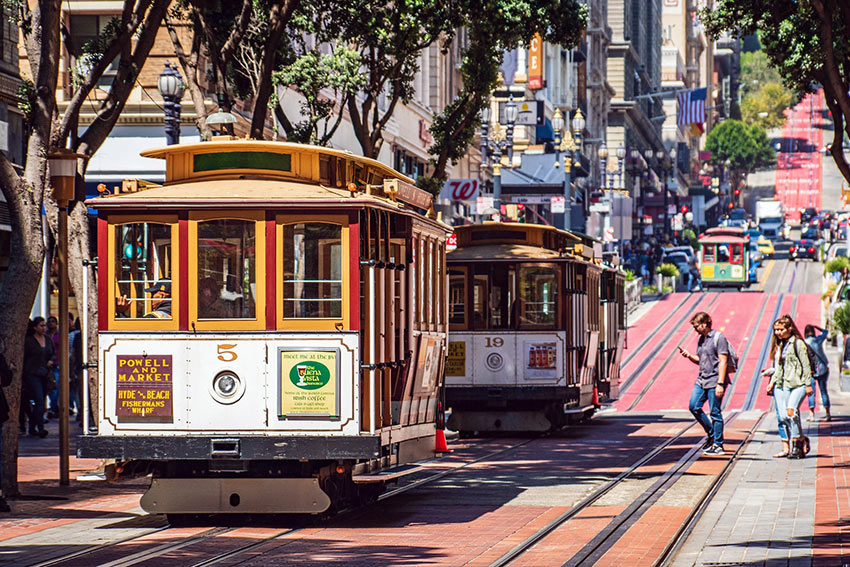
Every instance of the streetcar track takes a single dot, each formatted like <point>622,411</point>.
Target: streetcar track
<point>164,548</point>
<point>663,322</point>
<point>618,526</point>
<point>240,550</point>
<point>675,544</point>
<point>96,548</point>
<point>527,544</point>
<point>633,375</point>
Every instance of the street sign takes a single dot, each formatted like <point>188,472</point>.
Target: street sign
<point>678,222</point>
<point>609,234</point>
<point>460,190</point>
<point>530,200</point>
<point>529,113</point>
<point>558,205</point>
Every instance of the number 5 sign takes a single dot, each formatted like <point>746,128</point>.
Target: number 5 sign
<point>460,190</point>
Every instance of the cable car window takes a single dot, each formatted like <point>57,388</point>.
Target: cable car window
<point>722,253</point>
<point>737,253</point>
<point>227,278</point>
<point>538,289</point>
<point>143,270</point>
<point>708,253</point>
<point>312,271</point>
<point>493,294</point>
<point>457,297</point>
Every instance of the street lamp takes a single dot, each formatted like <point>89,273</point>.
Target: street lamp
<point>493,144</point>
<point>578,134</point>
<point>635,156</point>
<point>171,87</point>
<point>568,146</point>
<point>62,164</point>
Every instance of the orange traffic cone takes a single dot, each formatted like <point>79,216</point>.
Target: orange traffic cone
<point>441,446</point>
<point>596,396</point>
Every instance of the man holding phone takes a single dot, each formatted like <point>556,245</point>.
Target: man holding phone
<point>712,357</point>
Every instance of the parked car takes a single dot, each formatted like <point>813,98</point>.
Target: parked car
<point>804,249</point>
<point>810,233</point>
<point>836,249</point>
<point>686,250</point>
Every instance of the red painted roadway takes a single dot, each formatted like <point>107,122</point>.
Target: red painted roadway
<point>666,381</point>
<point>798,173</point>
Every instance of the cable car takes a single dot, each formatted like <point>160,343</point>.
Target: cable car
<point>272,327</point>
<point>529,329</point>
<point>725,257</point>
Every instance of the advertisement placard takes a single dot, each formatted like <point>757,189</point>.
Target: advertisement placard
<point>309,383</point>
<point>144,388</point>
<point>456,361</point>
<point>541,359</point>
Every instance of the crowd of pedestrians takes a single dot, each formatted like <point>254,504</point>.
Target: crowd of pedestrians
<point>645,256</point>
<point>40,376</point>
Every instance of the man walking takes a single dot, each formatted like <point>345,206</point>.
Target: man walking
<point>712,357</point>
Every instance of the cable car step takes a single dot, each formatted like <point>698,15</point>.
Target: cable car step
<point>578,410</point>
<point>386,474</point>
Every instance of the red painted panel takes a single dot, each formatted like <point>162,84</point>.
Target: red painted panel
<point>354,272</point>
<point>102,278</point>
<point>183,273</point>
<point>271,275</point>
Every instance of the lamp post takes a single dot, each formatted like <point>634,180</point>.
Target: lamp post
<point>578,134</point>
<point>171,87</point>
<point>62,164</point>
<point>494,144</point>
<point>634,157</point>
<point>568,146</point>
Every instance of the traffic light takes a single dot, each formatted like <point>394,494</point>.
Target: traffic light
<point>520,212</point>
<point>684,209</point>
<point>737,192</point>
<point>731,205</point>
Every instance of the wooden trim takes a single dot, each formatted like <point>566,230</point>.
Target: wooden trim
<point>104,262</point>
<point>354,273</point>
<point>324,324</point>
<point>255,324</point>
<point>183,270</point>
<point>271,273</point>
<point>467,299</point>
<point>141,324</point>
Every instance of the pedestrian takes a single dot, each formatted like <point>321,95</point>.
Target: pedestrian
<point>712,357</point>
<point>790,381</point>
<point>38,364</point>
<point>815,337</point>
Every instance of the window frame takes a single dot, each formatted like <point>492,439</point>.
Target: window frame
<point>464,275</point>
<point>142,324</point>
<point>713,256</point>
<point>258,323</point>
<point>314,324</point>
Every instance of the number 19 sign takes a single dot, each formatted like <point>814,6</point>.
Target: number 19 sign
<point>460,190</point>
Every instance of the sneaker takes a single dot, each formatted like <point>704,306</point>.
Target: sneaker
<point>707,443</point>
<point>714,450</point>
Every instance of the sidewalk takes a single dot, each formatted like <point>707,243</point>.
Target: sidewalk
<point>778,512</point>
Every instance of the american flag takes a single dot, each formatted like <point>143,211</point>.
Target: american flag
<point>691,107</point>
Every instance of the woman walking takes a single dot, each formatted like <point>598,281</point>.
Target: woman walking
<point>38,360</point>
<point>815,337</point>
<point>790,381</point>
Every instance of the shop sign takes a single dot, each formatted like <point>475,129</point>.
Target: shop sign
<point>460,190</point>
<point>308,383</point>
<point>144,387</point>
<point>535,63</point>
<point>557,205</point>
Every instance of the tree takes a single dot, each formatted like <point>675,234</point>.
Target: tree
<point>756,71</point>
<point>766,106</point>
<point>129,38</point>
<point>226,30</point>
<point>807,42</point>
<point>493,27</point>
<point>740,148</point>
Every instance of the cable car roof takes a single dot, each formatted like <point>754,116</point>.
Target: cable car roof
<point>494,252</point>
<point>719,238</point>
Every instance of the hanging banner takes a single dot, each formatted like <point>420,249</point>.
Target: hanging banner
<point>309,381</point>
<point>535,63</point>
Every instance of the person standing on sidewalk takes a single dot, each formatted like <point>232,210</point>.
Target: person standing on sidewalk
<point>38,360</point>
<point>790,381</point>
<point>712,358</point>
<point>815,337</point>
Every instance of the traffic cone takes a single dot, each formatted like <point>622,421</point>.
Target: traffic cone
<point>440,439</point>
<point>595,396</point>
<point>440,445</point>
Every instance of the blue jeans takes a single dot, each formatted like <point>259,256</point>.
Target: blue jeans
<point>714,426</point>
<point>782,433</point>
<point>788,410</point>
<point>33,390</point>
<point>824,395</point>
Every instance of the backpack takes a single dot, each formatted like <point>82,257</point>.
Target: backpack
<point>732,362</point>
<point>815,363</point>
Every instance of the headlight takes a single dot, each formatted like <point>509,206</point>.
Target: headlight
<point>227,387</point>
